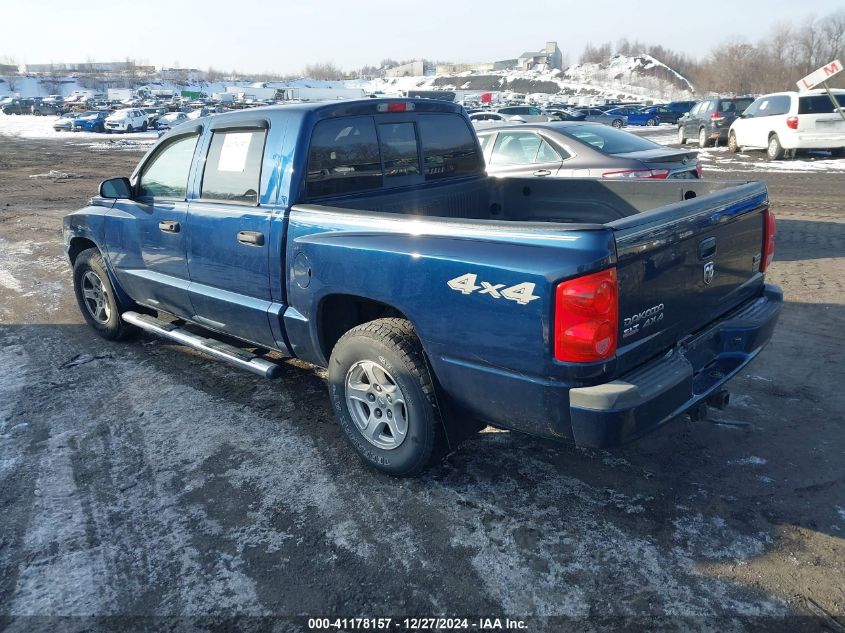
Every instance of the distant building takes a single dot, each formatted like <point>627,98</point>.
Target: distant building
<point>183,74</point>
<point>550,58</point>
<point>8,69</point>
<point>87,67</point>
<point>454,69</point>
<point>411,69</point>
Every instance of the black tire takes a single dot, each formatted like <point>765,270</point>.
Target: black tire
<point>703,141</point>
<point>617,123</point>
<point>393,345</point>
<point>681,138</point>
<point>651,123</point>
<point>144,126</point>
<point>129,129</point>
<point>732,144</point>
<point>112,327</point>
<point>99,128</point>
<point>774,151</point>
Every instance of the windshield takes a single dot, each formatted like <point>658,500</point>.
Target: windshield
<point>608,140</point>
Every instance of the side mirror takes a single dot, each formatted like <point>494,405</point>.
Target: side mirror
<point>116,188</point>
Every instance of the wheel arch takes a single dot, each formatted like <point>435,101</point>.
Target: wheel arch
<point>339,313</point>
<point>77,245</point>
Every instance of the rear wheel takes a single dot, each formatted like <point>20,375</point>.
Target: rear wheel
<point>703,141</point>
<point>383,396</point>
<point>681,138</point>
<point>774,151</point>
<point>732,144</point>
<point>651,122</point>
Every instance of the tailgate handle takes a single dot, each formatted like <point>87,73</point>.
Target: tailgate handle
<point>707,248</point>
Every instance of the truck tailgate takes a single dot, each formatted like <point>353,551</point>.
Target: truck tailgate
<point>682,266</point>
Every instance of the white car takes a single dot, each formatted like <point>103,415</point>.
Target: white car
<point>171,120</point>
<point>791,120</point>
<point>126,120</point>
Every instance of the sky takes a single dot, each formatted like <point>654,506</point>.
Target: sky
<point>282,36</point>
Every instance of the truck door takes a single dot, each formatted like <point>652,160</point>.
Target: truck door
<point>229,237</point>
<point>145,236</point>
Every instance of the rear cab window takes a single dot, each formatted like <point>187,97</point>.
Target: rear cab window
<point>365,153</point>
<point>819,104</point>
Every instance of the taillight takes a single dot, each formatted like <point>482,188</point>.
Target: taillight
<point>637,173</point>
<point>395,106</point>
<point>792,122</point>
<point>586,318</point>
<point>717,116</point>
<point>768,252</point>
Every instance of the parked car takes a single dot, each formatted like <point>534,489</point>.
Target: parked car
<point>65,122</point>
<point>566,114</point>
<point>171,119</point>
<point>663,114</point>
<point>788,121</point>
<point>368,239</point>
<point>19,106</point>
<point>710,119</point>
<point>581,150</point>
<point>594,115</point>
<point>485,119</point>
<point>126,120</point>
<point>153,115</point>
<point>45,108</point>
<point>634,116</point>
<point>525,113</point>
<point>91,121</point>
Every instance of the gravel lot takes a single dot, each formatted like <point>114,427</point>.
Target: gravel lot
<point>142,478</point>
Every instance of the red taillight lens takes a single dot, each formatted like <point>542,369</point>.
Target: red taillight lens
<point>637,173</point>
<point>717,116</point>
<point>792,122</point>
<point>768,252</point>
<point>586,318</point>
<point>395,106</point>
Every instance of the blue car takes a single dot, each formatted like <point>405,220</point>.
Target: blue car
<point>636,116</point>
<point>91,121</point>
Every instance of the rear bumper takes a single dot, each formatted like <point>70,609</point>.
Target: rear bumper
<point>619,411</point>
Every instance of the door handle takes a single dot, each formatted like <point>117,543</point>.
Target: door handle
<point>253,238</point>
<point>542,172</point>
<point>169,226</point>
<point>707,248</point>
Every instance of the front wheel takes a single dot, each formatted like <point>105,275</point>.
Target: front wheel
<point>732,144</point>
<point>651,122</point>
<point>774,151</point>
<point>129,129</point>
<point>144,126</point>
<point>383,396</point>
<point>617,123</point>
<point>96,296</point>
<point>681,137</point>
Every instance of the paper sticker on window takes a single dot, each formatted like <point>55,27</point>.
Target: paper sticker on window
<point>234,151</point>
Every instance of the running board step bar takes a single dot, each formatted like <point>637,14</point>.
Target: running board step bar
<point>219,350</point>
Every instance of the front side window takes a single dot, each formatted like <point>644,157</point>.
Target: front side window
<point>233,167</point>
<point>343,158</point>
<point>449,147</point>
<point>165,175</point>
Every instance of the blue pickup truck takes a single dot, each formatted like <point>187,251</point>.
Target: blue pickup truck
<point>365,237</point>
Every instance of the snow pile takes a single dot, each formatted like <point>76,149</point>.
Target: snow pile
<point>640,73</point>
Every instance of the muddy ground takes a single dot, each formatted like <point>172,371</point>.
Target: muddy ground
<point>142,478</point>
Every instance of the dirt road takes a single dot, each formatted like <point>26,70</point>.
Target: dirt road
<point>144,479</point>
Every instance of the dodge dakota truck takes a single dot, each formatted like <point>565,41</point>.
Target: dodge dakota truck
<point>365,237</point>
